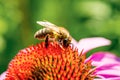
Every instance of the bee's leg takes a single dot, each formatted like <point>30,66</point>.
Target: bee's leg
<point>59,41</point>
<point>46,41</point>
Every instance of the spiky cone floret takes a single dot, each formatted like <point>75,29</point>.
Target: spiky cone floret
<point>52,63</point>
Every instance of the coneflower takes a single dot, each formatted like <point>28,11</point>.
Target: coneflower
<point>53,63</point>
<point>57,63</point>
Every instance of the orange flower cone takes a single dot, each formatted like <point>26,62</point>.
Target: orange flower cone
<point>54,62</point>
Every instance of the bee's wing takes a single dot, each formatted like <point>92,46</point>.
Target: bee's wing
<point>47,24</point>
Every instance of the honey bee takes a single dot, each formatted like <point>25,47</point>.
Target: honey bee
<point>53,33</point>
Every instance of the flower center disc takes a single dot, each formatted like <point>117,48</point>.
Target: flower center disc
<point>54,62</point>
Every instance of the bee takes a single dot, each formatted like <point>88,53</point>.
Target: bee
<point>53,33</point>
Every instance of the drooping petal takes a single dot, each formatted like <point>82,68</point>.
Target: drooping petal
<point>87,44</point>
<point>2,76</point>
<point>103,58</point>
<point>116,78</point>
<point>107,65</point>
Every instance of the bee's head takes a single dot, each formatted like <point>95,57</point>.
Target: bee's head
<point>66,42</point>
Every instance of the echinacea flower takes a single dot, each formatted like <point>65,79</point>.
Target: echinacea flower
<point>38,62</point>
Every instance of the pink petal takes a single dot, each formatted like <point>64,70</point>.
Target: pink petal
<point>107,65</point>
<point>74,42</point>
<point>91,43</point>
<point>103,58</point>
<point>116,78</point>
<point>108,71</point>
<point>2,76</point>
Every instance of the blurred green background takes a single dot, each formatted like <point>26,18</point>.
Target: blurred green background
<point>83,18</point>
